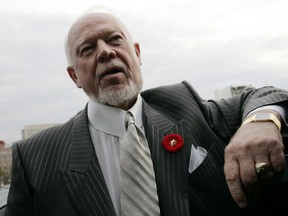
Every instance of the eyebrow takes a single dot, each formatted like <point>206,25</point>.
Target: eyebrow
<point>85,39</point>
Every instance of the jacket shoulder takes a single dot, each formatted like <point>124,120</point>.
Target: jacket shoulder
<point>175,90</point>
<point>52,135</point>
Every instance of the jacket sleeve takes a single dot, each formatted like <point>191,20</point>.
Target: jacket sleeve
<point>19,199</point>
<point>225,116</point>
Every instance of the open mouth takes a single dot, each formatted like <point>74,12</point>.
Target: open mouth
<point>111,71</point>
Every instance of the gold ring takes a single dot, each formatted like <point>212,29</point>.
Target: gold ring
<point>262,169</point>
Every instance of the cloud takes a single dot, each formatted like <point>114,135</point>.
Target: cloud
<point>212,44</point>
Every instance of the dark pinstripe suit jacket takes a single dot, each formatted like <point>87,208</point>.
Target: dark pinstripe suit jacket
<point>56,172</point>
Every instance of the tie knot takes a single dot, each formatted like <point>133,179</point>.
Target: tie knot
<point>129,119</point>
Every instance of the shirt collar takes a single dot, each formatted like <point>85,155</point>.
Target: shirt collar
<point>110,119</point>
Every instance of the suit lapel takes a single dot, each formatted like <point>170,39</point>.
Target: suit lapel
<point>84,180</point>
<point>171,169</point>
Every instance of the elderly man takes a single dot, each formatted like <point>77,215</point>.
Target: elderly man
<point>186,169</point>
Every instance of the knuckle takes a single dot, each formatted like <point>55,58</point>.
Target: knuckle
<point>231,176</point>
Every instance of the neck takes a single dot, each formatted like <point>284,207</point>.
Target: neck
<point>126,105</point>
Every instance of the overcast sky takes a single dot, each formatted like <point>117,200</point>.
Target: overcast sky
<point>212,44</point>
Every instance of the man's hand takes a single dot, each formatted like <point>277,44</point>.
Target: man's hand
<point>255,142</point>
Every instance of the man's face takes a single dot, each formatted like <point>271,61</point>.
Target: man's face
<point>105,60</point>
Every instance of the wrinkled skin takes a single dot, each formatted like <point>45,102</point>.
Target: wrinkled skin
<point>253,143</point>
<point>103,56</point>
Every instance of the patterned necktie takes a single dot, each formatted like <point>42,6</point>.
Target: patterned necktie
<point>138,186</point>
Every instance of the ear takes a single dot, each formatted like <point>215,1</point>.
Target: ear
<point>73,76</point>
<point>137,51</point>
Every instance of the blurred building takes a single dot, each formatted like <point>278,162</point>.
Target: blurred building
<point>29,130</point>
<point>5,163</point>
<point>230,91</point>
<point>2,144</point>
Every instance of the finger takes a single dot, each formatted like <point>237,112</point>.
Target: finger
<point>277,161</point>
<point>232,175</point>
<point>274,157</point>
<point>249,178</point>
<point>274,152</point>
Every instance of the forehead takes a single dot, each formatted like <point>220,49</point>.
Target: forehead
<point>96,23</point>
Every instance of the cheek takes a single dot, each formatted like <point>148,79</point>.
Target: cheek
<point>86,68</point>
<point>86,79</point>
<point>138,77</point>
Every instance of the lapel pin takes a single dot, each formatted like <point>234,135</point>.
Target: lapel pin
<point>173,142</point>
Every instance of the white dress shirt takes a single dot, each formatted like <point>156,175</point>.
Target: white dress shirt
<point>107,128</point>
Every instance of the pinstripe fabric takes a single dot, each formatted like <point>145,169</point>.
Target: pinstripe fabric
<point>56,172</point>
<point>173,110</point>
<point>84,177</point>
<point>61,172</point>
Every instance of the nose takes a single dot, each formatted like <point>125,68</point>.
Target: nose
<point>105,52</point>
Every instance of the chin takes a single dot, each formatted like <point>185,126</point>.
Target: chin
<point>119,94</point>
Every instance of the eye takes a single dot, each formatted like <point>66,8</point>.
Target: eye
<point>115,38</point>
<point>86,50</point>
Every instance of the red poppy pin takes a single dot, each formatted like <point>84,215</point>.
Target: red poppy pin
<point>173,142</point>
